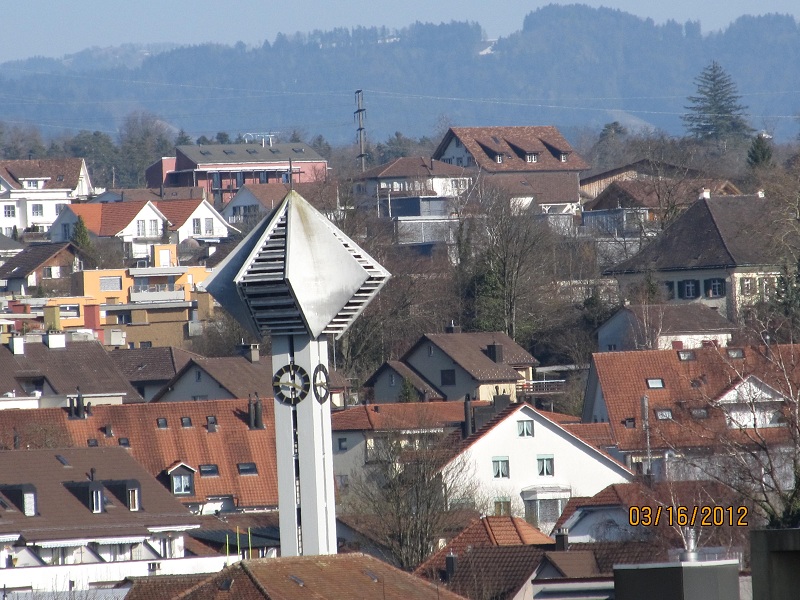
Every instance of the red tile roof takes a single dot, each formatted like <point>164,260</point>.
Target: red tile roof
<point>688,387</point>
<point>483,143</point>
<point>64,173</point>
<point>414,167</point>
<point>178,211</point>
<point>485,532</point>
<point>107,220</point>
<point>156,448</point>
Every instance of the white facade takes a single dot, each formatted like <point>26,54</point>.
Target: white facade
<point>205,223</point>
<point>456,154</point>
<point>243,206</point>
<point>534,464</point>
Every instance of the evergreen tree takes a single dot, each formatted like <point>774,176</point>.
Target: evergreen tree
<point>760,152</point>
<point>715,113</point>
<point>183,139</point>
<point>407,392</point>
<point>80,235</point>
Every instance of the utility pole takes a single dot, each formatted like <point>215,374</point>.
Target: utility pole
<point>361,133</point>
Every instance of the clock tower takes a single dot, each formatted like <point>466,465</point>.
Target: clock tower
<point>299,279</point>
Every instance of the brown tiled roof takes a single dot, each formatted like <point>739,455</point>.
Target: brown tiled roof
<point>151,364</point>
<point>165,587</point>
<point>468,350</point>
<point>482,533</point>
<point>81,364</point>
<point>321,194</point>
<point>559,187</point>
<point>236,374</point>
<point>352,576</point>
<point>61,512</point>
<point>560,418</point>
<point>574,564</point>
<point>680,318</point>
<point>483,143</point>
<point>178,211</point>
<point>597,434</point>
<point>719,233</point>
<point>156,449</point>
<point>495,572</point>
<point>405,415</point>
<point>414,167</point>
<point>647,193</point>
<point>107,220</point>
<point>608,554</point>
<point>68,170</point>
<point>32,257</point>
<point>689,385</point>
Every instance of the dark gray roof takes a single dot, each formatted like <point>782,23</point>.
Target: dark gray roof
<point>7,243</point>
<point>681,318</point>
<point>722,232</point>
<point>151,364</point>
<point>244,153</point>
<point>30,259</point>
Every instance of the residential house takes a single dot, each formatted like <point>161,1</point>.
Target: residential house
<point>45,266</point>
<point>194,219</point>
<point>49,372</point>
<point>677,413</point>
<point>150,369</point>
<point>352,576</point>
<point>220,378</point>
<point>527,462</point>
<point>151,194</point>
<point>455,365</point>
<point>413,177</point>
<point>708,255</point>
<point>535,164</point>
<point>211,455</point>
<point>222,169</point>
<point>9,247</point>
<point>254,201</point>
<point>664,326</point>
<point>82,518</point>
<point>34,192</point>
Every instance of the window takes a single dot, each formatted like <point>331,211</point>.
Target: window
<point>544,465</point>
<point>748,286</point>
<point>629,423</point>
<point>111,284</point>
<point>51,273</point>
<point>216,181</point>
<point>125,442</point>
<point>655,383</point>
<point>133,499</point>
<point>141,231</point>
<point>209,470</point>
<point>342,481</point>
<point>59,208</point>
<point>182,483</point>
<point>502,508</point>
<point>209,226</point>
<point>686,355</point>
<point>186,421</point>
<point>735,353</point>
<point>663,414</point>
<point>92,442</point>
<point>715,288</point>
<point>97,501</point>
<point>525,428</point>
<point>611,347</point>
<point>9,210</point>
<point>247,468</point>
<point>699,413</point>
<point>689,289</point>
<point>670,289</point>
<point>532,157</point>
<point>161,423</point>
<point>66,231</point>
<point>145,344</point>
<point>448,376</point>
<point>392,380</point>
<point>124,318</point>
<point>37,210</point>
<point>200,397</point>
<point>262,177</point>
<point>500,467</point>
<point>8,231</point>
<point>196,227</point>
<point>154,228</point>
<point>342,444</point>
<point>499,159</point>
<point>239,179</point>
<point>198,375</point>
<point>430,350</point>
<point>563,157</point>
<point>211,420</point>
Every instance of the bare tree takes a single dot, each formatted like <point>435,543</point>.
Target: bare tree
<point>404,495</point>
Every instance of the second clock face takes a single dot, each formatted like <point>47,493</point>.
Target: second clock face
<point>321,384</point>
<point>291,384</point>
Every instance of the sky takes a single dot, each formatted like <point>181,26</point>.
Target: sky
<point>53,29</point>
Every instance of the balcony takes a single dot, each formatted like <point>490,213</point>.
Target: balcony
<point>541,386</point>
<point>157,292</point>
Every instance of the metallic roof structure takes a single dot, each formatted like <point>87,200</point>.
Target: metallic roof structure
<point>296,273</point>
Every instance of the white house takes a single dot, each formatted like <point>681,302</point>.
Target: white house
<point>255,200</point>
<point>194,219</point>
<point>523,459</point>
<point>34,192</point>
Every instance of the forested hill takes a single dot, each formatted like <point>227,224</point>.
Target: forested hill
<point>568,65</point>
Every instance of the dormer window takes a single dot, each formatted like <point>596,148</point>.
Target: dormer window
<point>96,498</point>
<point>182,483</point>
<point>686,355</point>
<point>499,158</point>
<point>133,499</point>
<point>563,157</point>
<point>532,157</point>
<point>629,423</point>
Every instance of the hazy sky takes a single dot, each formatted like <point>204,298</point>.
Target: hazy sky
<point>48,28</point>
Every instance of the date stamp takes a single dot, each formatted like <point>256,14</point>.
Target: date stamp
<point>691,516</point>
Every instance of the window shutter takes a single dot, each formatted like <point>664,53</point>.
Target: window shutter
<point>696,288</point>
<point>670,290</point>
<point>681,289</point>
<point>722,287</point>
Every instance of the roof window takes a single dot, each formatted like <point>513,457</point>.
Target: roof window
<point>209,470</point>
<point>663,414</point>
<point>248,468</point>
<point>686,355</point>
<point>699,413</point>
<point>186,421</point>
<point>629,423</point>
<point>92,442</point>
<point>124,442</point>
<point>655,383</point>
<point>735,353</point>
<point>161,422</point>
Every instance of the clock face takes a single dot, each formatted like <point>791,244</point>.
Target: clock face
<point>321,384</point>
<point>291,384</point>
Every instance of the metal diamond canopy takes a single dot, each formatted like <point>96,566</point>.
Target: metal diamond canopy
<point>296,273</point>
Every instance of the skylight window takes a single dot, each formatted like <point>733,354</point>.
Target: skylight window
<point>161,422</point>
<point>92,442</point>
<point>663,414</point>
<point>124,442</point>
<point>209,470</point>
<point>735,353</point>
<point>247,468</point>
<point>699,413</point>
<point>186,421</point>
<point>629,423</point>
<point>686,355</point>
<point>655,383</point>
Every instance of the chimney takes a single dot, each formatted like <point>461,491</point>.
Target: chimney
<point>251,412</point>
<point>450,564</point>
<point>52,318</point>
<point>17,345</point>
<point>80,409</point>
<point>71,407</point>
<point>705,194</point>
<point>495,352</point>
<point>452,328</point>
<point>55,339</point>
<point>258,414</point>
<point>562,539</point>
<point>250,352</point>
<point>466,430</point>
<point>760,193</point>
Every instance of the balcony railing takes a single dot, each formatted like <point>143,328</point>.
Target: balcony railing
<point>541,386</point>
<point>157,292</point>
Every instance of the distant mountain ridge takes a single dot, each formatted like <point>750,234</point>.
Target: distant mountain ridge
<point>569,65</point>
